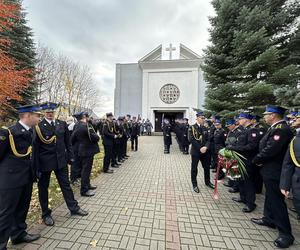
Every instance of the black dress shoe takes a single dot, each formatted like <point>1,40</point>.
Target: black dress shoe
<point>109,171</point>
<point>196,189</point>
<point>214,170</point>
<point>262,222</point>
<point>284,242</point>
<point>233,190</point>
<point>92,187</point>
<point>115,166</point>
<point>118,164</point>
<point>89,193</point>
<point>80,212</point>
<point>238,199</point>
<point>248,209</point>
<point>48,220</point>
<point>26,239</point>
<point>210,185</point>
<point>127,156</point>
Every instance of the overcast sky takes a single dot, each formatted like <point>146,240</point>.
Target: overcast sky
<point>101,33</point>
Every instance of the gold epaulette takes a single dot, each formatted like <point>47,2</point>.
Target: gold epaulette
<point>44,140</point>
<point>13,146</point>
<point>292,153</point>
<point>278,125</point>
<point>199,138</point>
<point>90,127</point>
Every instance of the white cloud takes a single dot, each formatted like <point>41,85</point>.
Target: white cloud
<point>101,33</point>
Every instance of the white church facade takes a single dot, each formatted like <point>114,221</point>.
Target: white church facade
<point>166,83</point>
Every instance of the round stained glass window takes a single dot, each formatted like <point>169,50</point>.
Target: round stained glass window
<point>169,93</point>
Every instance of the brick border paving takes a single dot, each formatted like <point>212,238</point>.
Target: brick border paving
<point>148,204</point>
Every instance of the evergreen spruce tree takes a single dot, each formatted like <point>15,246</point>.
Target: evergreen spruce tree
<point>22,50</point>
<point>260,56</point>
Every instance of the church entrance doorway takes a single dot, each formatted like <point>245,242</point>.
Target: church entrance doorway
<point>161,115</point>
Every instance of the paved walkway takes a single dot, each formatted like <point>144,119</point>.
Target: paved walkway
<point>148,204</point>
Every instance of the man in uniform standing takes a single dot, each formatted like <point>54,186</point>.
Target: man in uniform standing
<point>134,134</point>
<point>167,136</point>
<point>185,136</point>
<point>246,145</point>
<point>199,138</point>
<point>16,177</point>
<point>233,131</point>
<point>272,149</point>
<point>108,143</point>
<point>218,140</point>
<point>290,173</point>
<point>52,152</point>
<point>258,181</point>
<point>87,140</point>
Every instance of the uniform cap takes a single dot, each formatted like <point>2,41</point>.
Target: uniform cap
<point>35,108</point>
<point>230,122</point>
<point>274,109</point>
<point>49,106</point>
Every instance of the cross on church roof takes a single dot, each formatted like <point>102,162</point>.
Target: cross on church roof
<point>170,49</point>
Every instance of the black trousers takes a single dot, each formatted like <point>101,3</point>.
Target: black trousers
<point>179,142</point>
<point>119,151</point>
<point>134,143</point>
<point>124,147</point>
<point>185,148</point>
<point>205,161</point>
<point>275,209</point>
<point>76,168</point>
<point>167,148</point>
<point>258,180</point>
<point>64,183</point>
<point>108,157</point>
<point>87,164</point>
<point>247,189</point>
<point>14,205</point>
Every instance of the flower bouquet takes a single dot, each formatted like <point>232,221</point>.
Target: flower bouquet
<point>232,164</point>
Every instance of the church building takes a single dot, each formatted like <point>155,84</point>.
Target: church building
<point>166,83</point>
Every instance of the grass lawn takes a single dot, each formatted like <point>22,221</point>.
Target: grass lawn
<point>55,194</point>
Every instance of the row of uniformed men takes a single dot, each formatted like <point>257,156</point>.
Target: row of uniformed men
<point>31,150</point>
<point>272,155</point>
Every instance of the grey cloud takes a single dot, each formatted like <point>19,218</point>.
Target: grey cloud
<point>100,33</point>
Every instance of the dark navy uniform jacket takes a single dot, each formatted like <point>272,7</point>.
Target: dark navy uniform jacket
<point>290,173</point>
<point>15,171</point>
<point>246,143</point>
<point>202,139</point>
<point>108,134</point>
<point>219,139</point>
<point>56,155</point>
<point>87,140</point>
<point>272,149</point>
<point>167,128</point>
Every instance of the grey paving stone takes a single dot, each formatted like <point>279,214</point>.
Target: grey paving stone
<point>148,204</point>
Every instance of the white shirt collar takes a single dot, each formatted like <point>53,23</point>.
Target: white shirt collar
<point>24,125</point>
<point>49,121</point>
